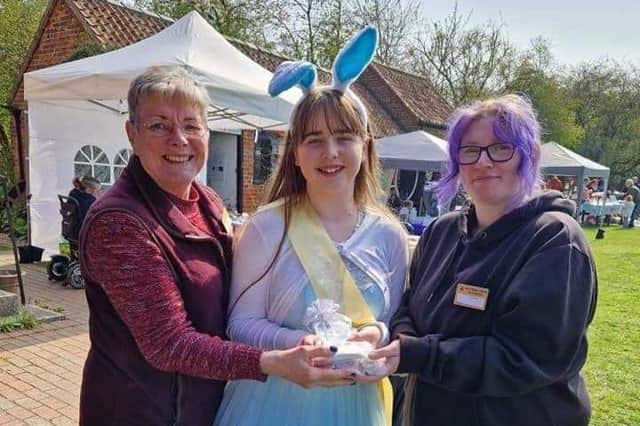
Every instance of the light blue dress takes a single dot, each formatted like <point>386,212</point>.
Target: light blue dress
<point>278,402</point>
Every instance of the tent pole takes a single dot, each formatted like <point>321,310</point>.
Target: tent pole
<point>580,190</point>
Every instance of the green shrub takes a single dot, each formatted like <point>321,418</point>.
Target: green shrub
<point>22,320</point>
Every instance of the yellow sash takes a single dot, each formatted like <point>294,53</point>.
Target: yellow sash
<point>226,221</point>
<point>326,270</point>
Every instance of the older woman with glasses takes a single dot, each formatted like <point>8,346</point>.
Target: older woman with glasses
<point>493,328</point>
<point>156,255</point>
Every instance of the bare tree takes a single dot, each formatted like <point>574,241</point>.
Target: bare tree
<point>312,30</point>
<point>316,29</point>
<point>298,29</point>
<point>248,20</point>
<point>397,22</point>
<point>335,27</point>
<point>464,63</point>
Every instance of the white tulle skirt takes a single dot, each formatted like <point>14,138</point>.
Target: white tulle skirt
<point>281,403</point>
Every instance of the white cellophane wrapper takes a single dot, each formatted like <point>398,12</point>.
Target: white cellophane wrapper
<point>323,319</point>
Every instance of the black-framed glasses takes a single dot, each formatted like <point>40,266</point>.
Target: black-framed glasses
<point>497,152</point>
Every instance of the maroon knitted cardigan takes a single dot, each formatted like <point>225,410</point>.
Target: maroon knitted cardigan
<point>157,277</point>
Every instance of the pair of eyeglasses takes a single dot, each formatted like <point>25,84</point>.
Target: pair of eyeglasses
<point>497,152</point>
<point>164,128</point>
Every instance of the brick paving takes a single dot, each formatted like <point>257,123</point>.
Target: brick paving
<point>41,368</point>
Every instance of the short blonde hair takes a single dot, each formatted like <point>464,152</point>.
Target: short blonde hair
<point>169,82</point>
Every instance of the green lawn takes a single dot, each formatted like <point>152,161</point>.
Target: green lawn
<point>613,367</point>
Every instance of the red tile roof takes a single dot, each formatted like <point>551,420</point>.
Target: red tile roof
<point>116,25</point>
<point>418,93</point>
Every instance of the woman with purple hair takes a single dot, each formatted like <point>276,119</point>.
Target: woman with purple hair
<point>493,328</point>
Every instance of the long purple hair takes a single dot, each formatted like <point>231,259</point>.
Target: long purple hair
<point>514,122</point>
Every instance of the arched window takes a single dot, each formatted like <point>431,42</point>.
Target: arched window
<point>92,161</point>
<point>120,162</point>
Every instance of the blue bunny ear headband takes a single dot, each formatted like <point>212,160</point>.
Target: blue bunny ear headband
<point>351,61</point>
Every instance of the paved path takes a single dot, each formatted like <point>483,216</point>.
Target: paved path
<point>41,368</point>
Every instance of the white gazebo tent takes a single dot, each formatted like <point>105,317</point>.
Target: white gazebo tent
<point>556,159</point>
<point>83,103</point>
<point>413,151</point>
<point>418,151</point>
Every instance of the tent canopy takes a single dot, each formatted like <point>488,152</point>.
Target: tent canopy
<point>417,150</point>
<point>236,84</point>
<point>556,159</point>
<point>77,110</point>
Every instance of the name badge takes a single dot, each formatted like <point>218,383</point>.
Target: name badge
<point>471,296</point>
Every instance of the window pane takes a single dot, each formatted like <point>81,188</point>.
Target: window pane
<point>102,173</point>
<point>81,170</point>
<point>86,150</point>
<point>102,158</point>
<point>117,171</point>
<point>80,156</point>
<point>122,158</point>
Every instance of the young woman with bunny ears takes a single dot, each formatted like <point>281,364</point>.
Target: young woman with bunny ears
<point>323,200</point>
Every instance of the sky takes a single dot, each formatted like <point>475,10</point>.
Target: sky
<point>578,31</point>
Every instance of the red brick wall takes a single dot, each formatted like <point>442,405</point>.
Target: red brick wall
<point>252,195</point>
<point>62,35</point>
<point>372,80</point>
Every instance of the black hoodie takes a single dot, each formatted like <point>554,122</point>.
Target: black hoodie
<point>518,361</point>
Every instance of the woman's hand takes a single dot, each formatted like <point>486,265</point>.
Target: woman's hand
<point>313,340</point>
<point>310,340</point>
<point>369,333</point>
<point>296,365</point>
<point>391,356</point>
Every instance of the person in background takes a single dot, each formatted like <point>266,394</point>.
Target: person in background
<point>587,189</point>
<point>394,202</point>
<point>86,190</point>
<point>429,199</point>
<point>634,192</point>
<point>627,210</point>
<point>554,183</point>
<point>493,328</point>
<point>407,212</point>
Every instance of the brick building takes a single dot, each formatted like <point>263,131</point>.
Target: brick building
<point>398,102</point>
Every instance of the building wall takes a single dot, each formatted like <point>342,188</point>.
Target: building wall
<point>252,195</point>
<point>61,36</point>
